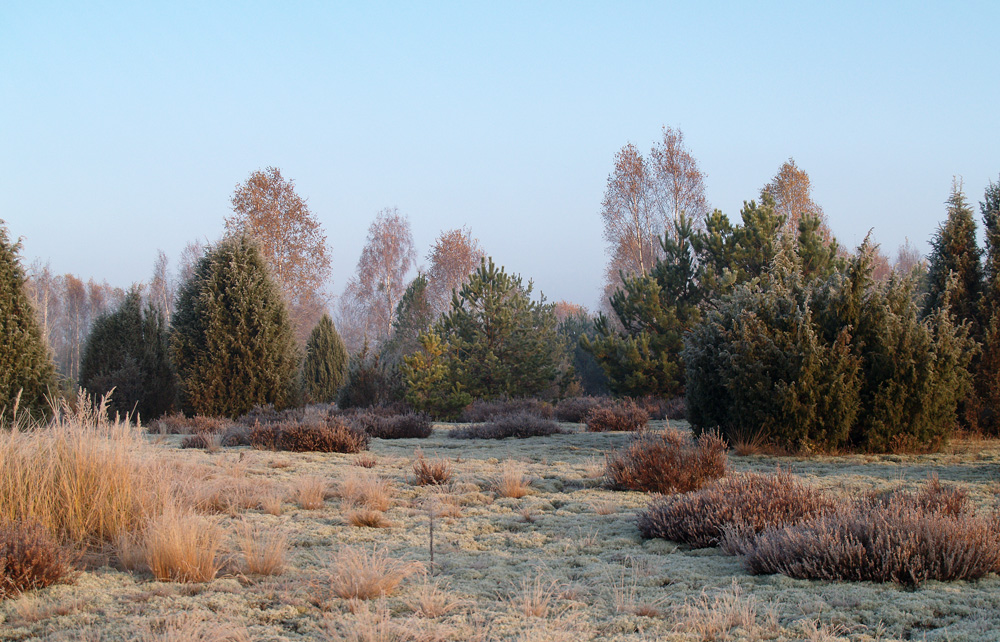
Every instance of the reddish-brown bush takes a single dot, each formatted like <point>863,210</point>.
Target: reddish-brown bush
<point>236,435</point>
<point>268,415</point>
<point>667,462</point>
<point>622,415</point>
<point>482,410</point>
<point>178,424</point>
<point>903,538</point>
<point>29,558</point>
<point>411,425</point>
<point>747,503</point>
<point>311,435</point>
<point>575,409</point>
<point>520,425</point>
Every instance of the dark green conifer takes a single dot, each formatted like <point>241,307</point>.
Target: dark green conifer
<point>988,370</point>
<point>954,250</point>
<point>26,367</point>
<point>232,341</point>
<point>126,351</point>
<point>325,366</point>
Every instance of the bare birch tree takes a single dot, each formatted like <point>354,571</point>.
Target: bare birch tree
<point>453,257</point>
<point>791,190</point>
<point>374,291</point>
<point>678,182</point>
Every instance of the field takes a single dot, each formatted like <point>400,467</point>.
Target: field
<point>563,562</point>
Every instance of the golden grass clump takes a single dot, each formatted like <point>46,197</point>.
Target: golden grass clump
<point>264,549</point>
<point>667,461</point>
<point>83,478</point>
<point>367,518</point>
<point>180,546</point>
<point>431,472</point>
<point>533,597</point>
<point>311,491</point>
<point>432,599</point>
<point>511,480</point>
<point>363,574</point>
<point>363,488</point>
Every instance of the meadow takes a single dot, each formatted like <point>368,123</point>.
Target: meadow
<point>529,543</point>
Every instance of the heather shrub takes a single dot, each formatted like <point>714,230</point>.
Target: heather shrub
<point>311,435</point>
<point>411,425</point>
<point>520,425</point>
<point>30,558</point>
<point>622,415</point>
<point>27,373</point>
<point>232,339</point>
<point>236,435</point>
<point>575,409</point>
<point>666,462</point>
<point>746,502</point>
<point>371,381</point>
<point>486,409</point>
<point>902,538</point>
<point>126,351</point>
<point>269,415</point>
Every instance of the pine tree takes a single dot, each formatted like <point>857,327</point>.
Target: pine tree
<point>232,340</point>
<point>414,316</point>
<point>27,374</point>
<point>126,351</point>
<point>988,370</point>
<point>325,366</point>
<point>954,250</point>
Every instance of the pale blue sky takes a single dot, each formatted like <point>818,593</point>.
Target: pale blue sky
<point>125,127</point>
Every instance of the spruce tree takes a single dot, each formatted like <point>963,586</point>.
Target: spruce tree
<point>954,250</point>
<point>988,370</point>
<point>26,367</point>
<point>325,366</point>
<point>232,341</point>
<point>126,351</point>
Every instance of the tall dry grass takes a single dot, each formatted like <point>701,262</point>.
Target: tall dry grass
<point>82,476</point>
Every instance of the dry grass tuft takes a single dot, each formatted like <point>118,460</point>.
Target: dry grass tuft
<point>431,472</point>
<point>182,547</point>
<point>191,628</point>
<point>622,415</point>
<point>363,488</point>
<point>311,491</point>
<point>362,574</point>
<point>605,508</point>
<point>83,478</point>
<point>432,599</point>
<point>272,501</point>
<point>744,503</point>
<point>533,597</point>
<point>511,480</point>
<point>714,616</point>
<point>667,462</point>
<point>906,538</point>
<point>263,549</point>
<point>365,460</point>
<point>367,518</point>
<point>30,558</point>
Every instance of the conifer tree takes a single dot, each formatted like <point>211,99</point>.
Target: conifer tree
<point>414,316</point>
<point>988,371</point>
<point>325,366</point>
<point>26,367</point>
<point>126,351</point>
<point>232,340</point>
<point>954,250</point>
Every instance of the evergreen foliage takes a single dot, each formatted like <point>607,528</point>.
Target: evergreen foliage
<point>325,366</point>
<point>954,250</point>
<point>825,364</point>
<point>988,371</point>
<point>414,316</point>
<point>126,351</point>
<point>494,342</point>
<point>232,340</point>
<point>371,381</point>
<point>26,367</point>
<point>585,367</point>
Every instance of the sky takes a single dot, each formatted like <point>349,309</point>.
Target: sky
<point>125,127</point>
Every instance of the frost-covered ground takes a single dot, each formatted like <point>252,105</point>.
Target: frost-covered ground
<point>569,553</point>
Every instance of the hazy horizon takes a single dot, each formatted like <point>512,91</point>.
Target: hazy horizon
<point>126,128</point>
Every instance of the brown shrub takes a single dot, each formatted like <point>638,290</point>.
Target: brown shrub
<point>622,415</point>
<point>902,538</point>
<point>411,425</point>
<point>667,462</point>
<point>746,502</point>
<point>178,424</point>
<point>520,425</point>
<point>575,409</point>
<point>268,415</point>
<point>312,435</point>
<point>236,435</point>
<point>30,558</point>
<point>482,410</point>
<point>431,472</point>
